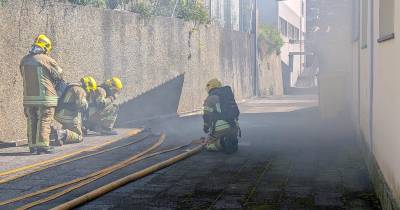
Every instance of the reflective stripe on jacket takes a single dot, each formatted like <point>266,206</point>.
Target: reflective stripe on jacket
<point>211,111</point>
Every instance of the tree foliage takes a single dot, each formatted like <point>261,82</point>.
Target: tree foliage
<point>271,37</point>
<point>192,11</point>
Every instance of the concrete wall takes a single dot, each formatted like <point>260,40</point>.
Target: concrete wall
<point>378,105</point>
<point>270,74</point>
<point>386,101</point>
<point>146,54</point>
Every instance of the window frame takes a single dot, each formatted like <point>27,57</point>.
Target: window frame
<point>285,23</point>
<point>364,15</point>
<point>386,33</point>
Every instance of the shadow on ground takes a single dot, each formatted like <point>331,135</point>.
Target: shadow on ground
<point>159,101</point>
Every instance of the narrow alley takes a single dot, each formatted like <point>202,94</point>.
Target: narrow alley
<point>288,158</point>
<point>199,104</point>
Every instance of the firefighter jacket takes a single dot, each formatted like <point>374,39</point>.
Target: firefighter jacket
<point>102,97</point>
<point>72,104</point>
<point>211,114</point>
<point>40,73</point>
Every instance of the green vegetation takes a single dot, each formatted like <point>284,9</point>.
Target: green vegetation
<point>192,12</point>
<point>143,9</point>
<point>272,37</point>
<point>3,2</point>
<point>189,10</point>
<point>96,3</point>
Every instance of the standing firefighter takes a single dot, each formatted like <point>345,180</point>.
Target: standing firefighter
<point>221,115</point>
<point>102,107</point>
<point>71,109</point>
<point>40,76</point>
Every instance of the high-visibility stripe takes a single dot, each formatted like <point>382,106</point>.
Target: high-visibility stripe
<point>221,125</point>
<point>41,100</point>
<point>42,89</point>
<point>37,98</point>
<point>218,107</point>
<point>208,109</point>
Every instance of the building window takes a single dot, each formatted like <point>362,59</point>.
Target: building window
<point>364,23</point>
<point>293,32</point>
<point>283,24</point>
<point>296,34</point>
<point>386,20</point>
<point>290,31</point>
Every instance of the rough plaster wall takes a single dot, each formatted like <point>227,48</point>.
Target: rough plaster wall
<point>270,80</point>
<point>144,53</point>
<point>386,101</point>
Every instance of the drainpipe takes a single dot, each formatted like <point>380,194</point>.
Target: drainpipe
<point>255,71</point>
<point>371,43</point>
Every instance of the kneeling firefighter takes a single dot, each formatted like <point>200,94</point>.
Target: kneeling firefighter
<point>103,109</point>
<point>71,109</point>
<point>221,115</point>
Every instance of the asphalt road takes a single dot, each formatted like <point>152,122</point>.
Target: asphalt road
<point>288,159</point>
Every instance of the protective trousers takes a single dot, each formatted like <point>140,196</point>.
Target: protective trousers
<point>103,119</point>
<point>72,126</point>
<point>39,121</point>
<point>214,140</point>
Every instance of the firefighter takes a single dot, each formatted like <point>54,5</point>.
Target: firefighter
<point>40,75</point>
<point>103,108</point>
<point>71,109</point>
<point>220,116</point>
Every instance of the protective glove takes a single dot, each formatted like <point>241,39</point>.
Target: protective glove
<point>206,129</point>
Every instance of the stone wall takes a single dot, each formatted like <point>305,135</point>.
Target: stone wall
<point>145,53</point>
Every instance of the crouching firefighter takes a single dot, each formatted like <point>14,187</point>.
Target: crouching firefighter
<point>40,75</point>
<point>221,115</point>
<point>103,109</point>
<point>71,109</point>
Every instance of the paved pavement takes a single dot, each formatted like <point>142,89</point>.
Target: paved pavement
<point>15,157</point>
<point>288,159</point>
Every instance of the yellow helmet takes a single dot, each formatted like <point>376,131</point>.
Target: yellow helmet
<point>43,42</point>
<point>214,83</point>
<point>115,83</point>
<point>89,83</point>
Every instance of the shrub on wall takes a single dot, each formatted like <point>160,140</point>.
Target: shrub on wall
<point>271,37</point>
<point>143,10</point>
<point>3,2</point>
<point>192,11</point>
<point>189,10</point>
<point>96,3</point>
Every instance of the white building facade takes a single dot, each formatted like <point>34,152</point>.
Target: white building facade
<point>292,26</point>
<point>289,17</point>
